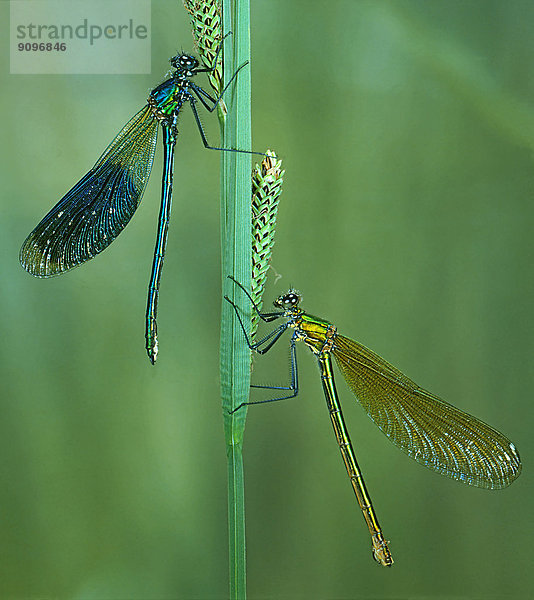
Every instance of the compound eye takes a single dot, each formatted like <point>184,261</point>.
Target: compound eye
<point>290,300</point>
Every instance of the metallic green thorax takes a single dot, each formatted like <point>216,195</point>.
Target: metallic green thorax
<point>168,98</point>
<point>313,331</point>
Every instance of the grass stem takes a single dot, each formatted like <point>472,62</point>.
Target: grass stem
<point>236,261</point>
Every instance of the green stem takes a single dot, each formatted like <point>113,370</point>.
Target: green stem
<point>236,261</point>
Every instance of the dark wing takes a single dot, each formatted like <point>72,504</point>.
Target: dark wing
<point>93,213</point>
<point>431,431</point>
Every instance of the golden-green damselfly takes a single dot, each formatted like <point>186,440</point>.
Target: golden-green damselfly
<point>434,433</point>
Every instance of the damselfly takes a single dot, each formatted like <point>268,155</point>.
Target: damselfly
<point>434,433</point>
<point>93,213</point>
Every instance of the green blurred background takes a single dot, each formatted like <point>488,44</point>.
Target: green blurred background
<point>407,133</point>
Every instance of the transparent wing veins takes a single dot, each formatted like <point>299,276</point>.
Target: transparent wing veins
<point>431,431</point>
<point>93,213</point>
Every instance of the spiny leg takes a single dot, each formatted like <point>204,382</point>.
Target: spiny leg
<point>192,103</point>
<point>270,339</point>
<point>199,91</point>
<point>266,317</point>
<point>293,386</point>
<point>274,335</point>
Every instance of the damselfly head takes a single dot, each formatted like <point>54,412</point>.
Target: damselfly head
<point>184,63</point>
<point>289,300</point>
